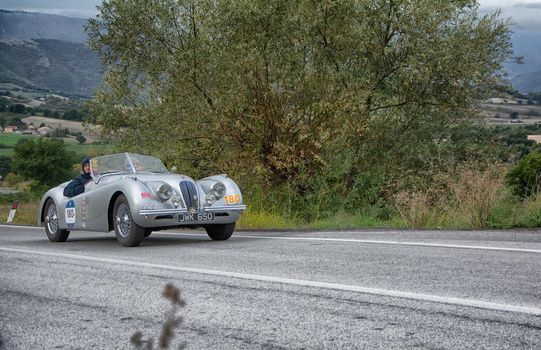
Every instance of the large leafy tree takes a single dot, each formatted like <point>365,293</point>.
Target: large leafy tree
<point>291,88</point>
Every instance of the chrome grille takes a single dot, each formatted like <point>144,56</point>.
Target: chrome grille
<point>189,194</point>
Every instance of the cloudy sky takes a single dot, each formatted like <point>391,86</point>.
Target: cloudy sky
<point>525,13</point>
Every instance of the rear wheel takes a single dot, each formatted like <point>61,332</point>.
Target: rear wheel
<point>52,229</point>
<point>127,232</point>
<point>220,232</point>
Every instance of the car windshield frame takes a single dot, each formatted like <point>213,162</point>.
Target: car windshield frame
<point>121,163</point>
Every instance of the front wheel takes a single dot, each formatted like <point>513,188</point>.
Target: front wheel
<point>127,232</point>
<point>52,229</point>
<point>220,232</point>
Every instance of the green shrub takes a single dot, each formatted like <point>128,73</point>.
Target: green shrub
<point>524,178</point>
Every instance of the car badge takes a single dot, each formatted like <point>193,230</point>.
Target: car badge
<point>193,210</point>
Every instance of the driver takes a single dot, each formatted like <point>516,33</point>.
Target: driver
<point>77,186</point>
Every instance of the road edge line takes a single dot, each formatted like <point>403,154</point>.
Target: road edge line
<point>298,282</point>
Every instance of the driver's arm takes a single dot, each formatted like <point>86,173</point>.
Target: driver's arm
<point>74,188</point>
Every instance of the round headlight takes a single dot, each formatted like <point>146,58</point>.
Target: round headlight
<point>164,191</point>
<point>176,200</point>
<point>218,189</point>
<point>210,198</point>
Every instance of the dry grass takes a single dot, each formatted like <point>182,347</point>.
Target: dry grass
<point>26,213</point>
<point>418,209</point>
<point>461,200</point>
<point>474,193</point>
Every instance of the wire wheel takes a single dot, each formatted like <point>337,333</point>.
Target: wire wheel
<point>123,220</point>
<point>52,225</point>
<point>127,232</point>
<point>51,219</point>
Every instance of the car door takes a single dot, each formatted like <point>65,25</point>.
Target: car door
<point>70,210</point>
<point>94,203</point>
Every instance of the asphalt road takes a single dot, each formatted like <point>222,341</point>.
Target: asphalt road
<point>263,290</point>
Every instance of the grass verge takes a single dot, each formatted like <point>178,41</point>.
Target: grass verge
<point>506,213</point>
<point>26,213</point>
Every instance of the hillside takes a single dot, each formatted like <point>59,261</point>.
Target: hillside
<point>55,65</point>
<point>526,77</point>
<point>29,25</point>
<point>529,82</point>
<point>70,68</point>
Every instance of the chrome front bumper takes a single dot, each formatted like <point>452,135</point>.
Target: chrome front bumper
<point>224,208</point>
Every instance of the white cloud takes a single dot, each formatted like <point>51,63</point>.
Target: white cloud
<point>70,8</point>
<point>526,14</point>
<point>507,3</point>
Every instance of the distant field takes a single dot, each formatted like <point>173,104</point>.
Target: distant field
<point>72,145</point>
<point>8,116</point>
<point>11,139</point>
<point>55,123</point>
<point>499,113</point>
<point>91,133</point>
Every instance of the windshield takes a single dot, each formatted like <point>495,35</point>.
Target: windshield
<point>125,163</point>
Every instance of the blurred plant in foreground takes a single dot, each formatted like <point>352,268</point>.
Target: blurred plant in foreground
<point>173,294</point>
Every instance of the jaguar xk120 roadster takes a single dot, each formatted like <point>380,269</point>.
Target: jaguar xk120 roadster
<point>135,195</point>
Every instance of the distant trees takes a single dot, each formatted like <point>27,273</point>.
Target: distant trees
<point>59,132</point>
<point>4,104</point>
<point>5,166</point>
<point>80,138</point>
<point>17,122</point>
<point>44,161</point>
<point>17,108</point>
<point>72,115</point>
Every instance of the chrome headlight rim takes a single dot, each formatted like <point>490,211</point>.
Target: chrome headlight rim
<point>176,200</point>
<point>210,198</point>
<point>164,191</point>
<point>218,189</point>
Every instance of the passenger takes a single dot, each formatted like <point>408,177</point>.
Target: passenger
<point>77,186</point>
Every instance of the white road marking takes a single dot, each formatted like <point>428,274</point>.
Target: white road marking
<point>23,226</point>
<point>340,240</point>
<point>297,282</point>
<point>371,241</point>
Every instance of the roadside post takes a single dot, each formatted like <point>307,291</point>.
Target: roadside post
<point>11,214</point>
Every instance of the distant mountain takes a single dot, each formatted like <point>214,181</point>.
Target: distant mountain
<point>64,64</point>
<point>29,25</point>
<point>41,51</point>
<point>530,82</point>
<point>526,77</point>
<point>56,65</point>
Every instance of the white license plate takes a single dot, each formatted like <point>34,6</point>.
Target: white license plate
<point>187,217</point>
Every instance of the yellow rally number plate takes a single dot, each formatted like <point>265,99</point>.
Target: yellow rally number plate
<point>232,199</point>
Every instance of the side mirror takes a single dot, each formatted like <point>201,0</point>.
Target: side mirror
<point>173,169</point>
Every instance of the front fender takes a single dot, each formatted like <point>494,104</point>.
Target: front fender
<point>56,194</point>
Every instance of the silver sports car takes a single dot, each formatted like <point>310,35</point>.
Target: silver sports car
<point>134,195</point>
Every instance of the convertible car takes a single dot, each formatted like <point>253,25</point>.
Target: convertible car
<point>135,195</point>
